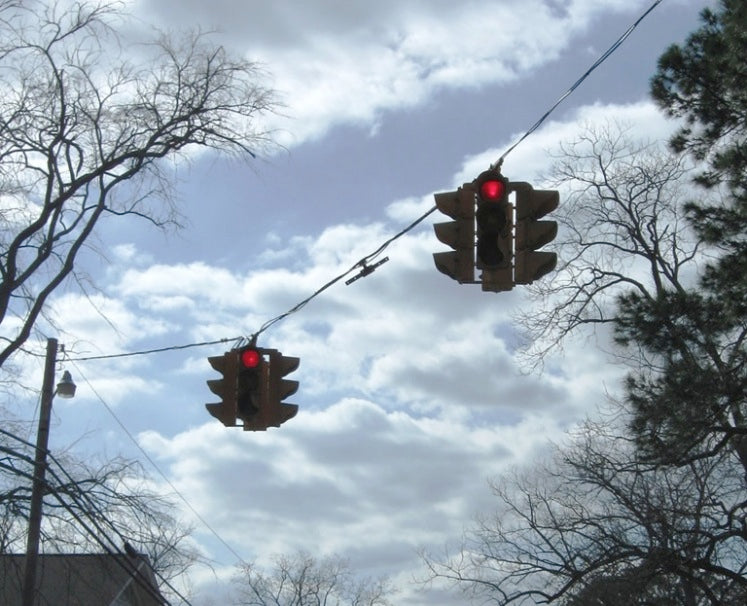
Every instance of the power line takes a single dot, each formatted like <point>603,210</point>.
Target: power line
<point>365,270</point>
<point>86,508</point>
<point>91,505</point>
<point>576,84</point>
<point>363,264</point>
<point>158,469</point>
<point>125,564</point>
<point>150,351</point>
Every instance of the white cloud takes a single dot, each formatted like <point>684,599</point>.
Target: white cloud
<point>350,477</point>
<point>100,319</point>
<point>336,64</point>
<point>531,157</point>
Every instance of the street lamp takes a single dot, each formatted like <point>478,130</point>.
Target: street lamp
<point>65,389</point>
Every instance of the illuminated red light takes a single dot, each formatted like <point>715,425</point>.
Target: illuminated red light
<point>250,358</point>
<point>492,190</point>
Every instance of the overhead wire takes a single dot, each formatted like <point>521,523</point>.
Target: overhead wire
<point>363,264</point>
<point>578,82</point>
<point>99,532</point>
<point>92,505</point>
<point>150,460</point>
<point>150,351</point>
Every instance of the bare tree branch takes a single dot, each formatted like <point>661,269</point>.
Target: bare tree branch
<point>595,514</point>
<point>303,580</point>
<point>84,133</point>
<point>621,229</point>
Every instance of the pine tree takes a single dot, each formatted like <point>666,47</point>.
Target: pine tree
<point>689,397</point>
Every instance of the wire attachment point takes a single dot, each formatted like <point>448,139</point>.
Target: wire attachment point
<point>366,270</point>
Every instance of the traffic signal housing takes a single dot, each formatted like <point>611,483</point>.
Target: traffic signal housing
<point>532,234</point>
<point>250,390</point>
<point>494,225</point>
<point>225,410</point>
<point>253,387</point>
<point>273,412</point>
<point>458,264</point>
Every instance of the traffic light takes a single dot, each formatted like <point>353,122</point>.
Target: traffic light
<point>273,388</point>
<point>459,265</point>
<point>493,217</point>
<point>226,410</point>
<point>253,387</point>
<point>531,234</point>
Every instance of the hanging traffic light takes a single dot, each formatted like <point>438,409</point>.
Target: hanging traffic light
<point>531,234</point>
<point>458,264</point>
<point>252,388</point>
<point>226,410</point>
<point>493,218</point>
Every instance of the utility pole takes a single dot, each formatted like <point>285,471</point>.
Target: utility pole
<point>40,468</point>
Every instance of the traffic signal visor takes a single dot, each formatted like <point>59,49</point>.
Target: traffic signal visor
<point>494,220</point>
<point>250,388</point>
<point>283,388</point>
<point>225,411</point>
<point>458,264</point>
<point>532,234</point>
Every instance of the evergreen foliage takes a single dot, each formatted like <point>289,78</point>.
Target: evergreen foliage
<point>689,398</point>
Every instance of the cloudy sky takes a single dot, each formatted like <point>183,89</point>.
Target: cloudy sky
<point>412,391</point>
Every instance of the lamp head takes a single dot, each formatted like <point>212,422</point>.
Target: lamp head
<point>66,387</point>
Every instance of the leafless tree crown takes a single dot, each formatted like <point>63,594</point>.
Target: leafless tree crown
<point>621,227</point>
<point>85,128</point>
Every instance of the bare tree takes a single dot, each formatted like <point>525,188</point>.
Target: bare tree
<point>84,133</point>
<point>302,580</point>
<point>596,520</point>
<point>621,228</point>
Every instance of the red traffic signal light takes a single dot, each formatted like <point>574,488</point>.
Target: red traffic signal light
<point>492,189</point>
<point>493,218</point>
<point>252,388</point>
<point>482,233</point>
<point>250,357</point>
